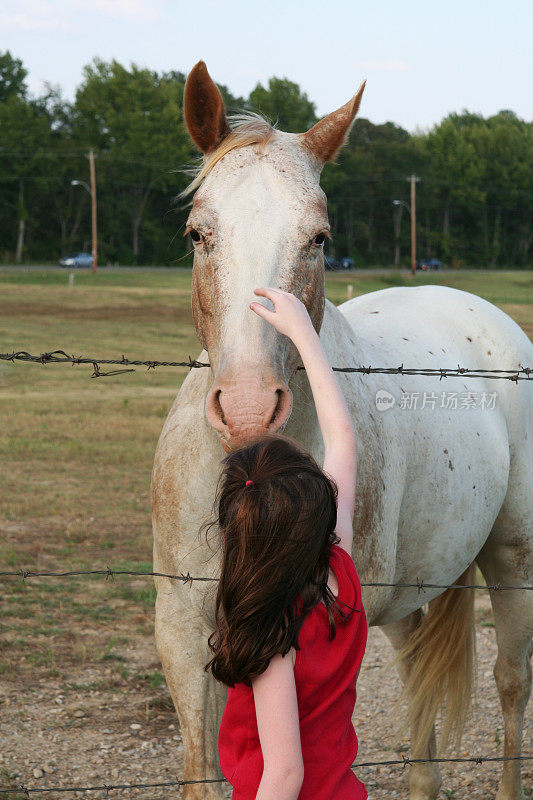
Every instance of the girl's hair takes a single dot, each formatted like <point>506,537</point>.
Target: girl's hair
<point>276,536</point>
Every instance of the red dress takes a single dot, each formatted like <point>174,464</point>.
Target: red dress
<point>325,674</point>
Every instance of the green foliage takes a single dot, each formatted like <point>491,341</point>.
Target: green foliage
<point>369,175</point>
<point>133,119</point>
<point>474,200</point>
<point>283,104</point>
<point>12,77</point>
<point>481,174</point>
<point>24,130</point>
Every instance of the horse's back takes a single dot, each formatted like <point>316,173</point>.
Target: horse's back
<point>438,326</point>
<point>462,321</point>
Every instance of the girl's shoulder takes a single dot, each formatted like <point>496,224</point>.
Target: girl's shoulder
<point>349,586</point>
<point>342,559</point>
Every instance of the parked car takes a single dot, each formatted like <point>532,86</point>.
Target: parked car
<point>331,263</point>
<point>336,263</point>
<point>429,263</point>
<point>347,263</point>
<point>77,260</point>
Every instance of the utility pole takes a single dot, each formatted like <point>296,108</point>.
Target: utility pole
<point>93,204</point>
<point>413,180</point>
<point>397,220</point>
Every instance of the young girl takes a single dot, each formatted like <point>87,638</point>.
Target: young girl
<point>290,626</point>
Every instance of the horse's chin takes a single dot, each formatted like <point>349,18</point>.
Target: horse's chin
<point>225,444</point>
<point>228,446</point>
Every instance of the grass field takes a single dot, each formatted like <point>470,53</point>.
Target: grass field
<point>77,452</point>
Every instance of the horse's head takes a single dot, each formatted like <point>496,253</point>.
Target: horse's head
<point>258,218</point>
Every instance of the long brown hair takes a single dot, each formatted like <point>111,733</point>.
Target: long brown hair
<point>276,535</point>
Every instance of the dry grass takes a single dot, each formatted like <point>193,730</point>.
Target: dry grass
<point>76,458</point>
<point>77,453</point>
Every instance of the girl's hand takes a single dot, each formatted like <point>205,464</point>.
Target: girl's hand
<point>289,317</point>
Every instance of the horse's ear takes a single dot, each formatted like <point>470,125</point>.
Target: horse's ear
<point>203,109</point>
<point>326,138</point>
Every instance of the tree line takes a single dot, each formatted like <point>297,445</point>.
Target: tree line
<point>474,198</point>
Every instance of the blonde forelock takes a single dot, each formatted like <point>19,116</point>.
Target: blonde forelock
<point>246,129</point>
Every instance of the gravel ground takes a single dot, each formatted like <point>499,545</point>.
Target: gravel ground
<point>95,728</point>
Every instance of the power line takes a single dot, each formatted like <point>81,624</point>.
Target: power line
<point>82,154</point>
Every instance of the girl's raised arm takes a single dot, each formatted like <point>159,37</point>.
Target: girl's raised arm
<point>290,317</point>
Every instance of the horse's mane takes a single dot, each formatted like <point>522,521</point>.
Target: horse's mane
<point>246,129</point>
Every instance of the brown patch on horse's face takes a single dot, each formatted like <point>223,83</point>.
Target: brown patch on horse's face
<point>313,295</point>
<point>205,289</point>
<point>306,281</point>
<point>203,301</point>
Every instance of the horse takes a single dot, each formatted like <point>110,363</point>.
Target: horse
<point>440,488</point>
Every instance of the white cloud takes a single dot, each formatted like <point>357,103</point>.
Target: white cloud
<point>36,15</point>
<point>392,65</point>
<point>136,10</point>
<point>48,14</point>
<point>25,22</point>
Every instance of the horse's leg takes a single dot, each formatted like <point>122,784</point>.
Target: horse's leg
<point>509,560</point>
<point>181,638</point>
<point>424,779</point>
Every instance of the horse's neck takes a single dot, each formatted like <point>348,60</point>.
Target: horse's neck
<point>342,349</point>
<point>338,338</point>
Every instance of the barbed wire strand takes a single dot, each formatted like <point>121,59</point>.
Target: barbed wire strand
<point>107,787</point>
<point>108,573</point>
<point>62,357</point>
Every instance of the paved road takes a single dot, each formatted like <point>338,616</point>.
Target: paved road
<point>66,270</point>
<point>48,268</point>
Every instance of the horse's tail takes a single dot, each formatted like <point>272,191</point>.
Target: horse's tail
<point>442,657</point>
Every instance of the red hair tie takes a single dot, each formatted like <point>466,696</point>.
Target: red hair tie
<point>248,483</point>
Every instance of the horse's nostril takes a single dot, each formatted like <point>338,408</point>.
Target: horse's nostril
<point>218,406</point>
<point>276,411</point>
<point>242,411</point>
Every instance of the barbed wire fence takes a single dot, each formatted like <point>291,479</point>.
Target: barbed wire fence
<point>523,373</point>
<point>110,573</point>
<point>177,782</point>
<point>62,357</point>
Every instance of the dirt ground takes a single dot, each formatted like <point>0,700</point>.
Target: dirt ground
<point>96,728</point>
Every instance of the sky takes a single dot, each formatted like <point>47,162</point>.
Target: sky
<point>422,60</point>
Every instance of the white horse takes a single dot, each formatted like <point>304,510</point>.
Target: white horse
<point>439,488</point>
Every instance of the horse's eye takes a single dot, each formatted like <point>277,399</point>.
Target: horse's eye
<point>196,236</point>
<point>319,239</point>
